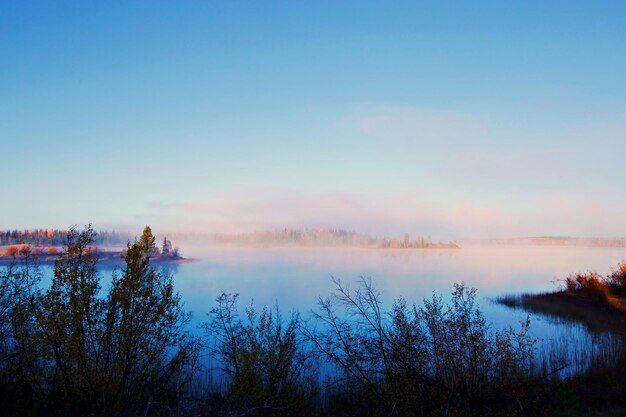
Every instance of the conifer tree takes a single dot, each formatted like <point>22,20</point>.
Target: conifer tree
<point>166,250</point>
<point>147,241</point>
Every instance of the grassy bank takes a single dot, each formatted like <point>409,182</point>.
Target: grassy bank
<point>597,302</point>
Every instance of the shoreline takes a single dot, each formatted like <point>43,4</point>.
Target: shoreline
<point>104,258</point>
<point>597,316</point>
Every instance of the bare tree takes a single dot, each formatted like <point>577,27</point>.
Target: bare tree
<point>441,357</point>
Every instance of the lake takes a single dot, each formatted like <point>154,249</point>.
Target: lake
<point>295,278</point>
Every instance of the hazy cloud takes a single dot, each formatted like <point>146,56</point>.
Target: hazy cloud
<point>471,181</point>
<point>261,209</point>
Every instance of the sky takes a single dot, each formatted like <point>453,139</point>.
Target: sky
<point>446,119</point>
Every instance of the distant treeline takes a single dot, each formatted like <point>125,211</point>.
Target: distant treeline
<point>328,237</point>
<point>55,237</point>
<point>596,242</point>
<point>42,242</point>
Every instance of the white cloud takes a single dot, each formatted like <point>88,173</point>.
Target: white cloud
<point>262,209</point>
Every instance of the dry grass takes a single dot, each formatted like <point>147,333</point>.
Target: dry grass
<point>599,304</point>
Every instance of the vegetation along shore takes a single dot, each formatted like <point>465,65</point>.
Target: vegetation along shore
<point>47,244</point>
<point>597,302</point>
<point>70,350</point>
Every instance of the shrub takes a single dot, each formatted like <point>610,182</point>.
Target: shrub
<point>22,366</point>
<point>269,372</point>
<point>437,359</point>
<point>590,284</point>
<point>618,275</point>
<point>12,251</point>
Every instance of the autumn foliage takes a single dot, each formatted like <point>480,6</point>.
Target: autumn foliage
<point>597,287</point>
<point>70,351</point>
<point>52,237</point>
<point>12,251</point>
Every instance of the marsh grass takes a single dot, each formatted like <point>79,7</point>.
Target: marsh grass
<point>590,370</point>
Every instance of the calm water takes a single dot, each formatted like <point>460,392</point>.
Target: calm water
<point>296,277</point>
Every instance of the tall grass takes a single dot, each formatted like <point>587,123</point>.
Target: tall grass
<point>592,369</point>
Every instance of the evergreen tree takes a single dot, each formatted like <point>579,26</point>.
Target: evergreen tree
<point>146,326</point>
<point>166,249</point>
<point>147,241</point>
<point>84,354</point>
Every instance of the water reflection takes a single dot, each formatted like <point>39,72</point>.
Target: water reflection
<point>295,277</point>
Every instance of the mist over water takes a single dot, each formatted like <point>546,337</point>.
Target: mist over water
<point>294,278</point>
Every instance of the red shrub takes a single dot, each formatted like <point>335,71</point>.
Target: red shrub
<point>12,251</point>
<point>591,284</point>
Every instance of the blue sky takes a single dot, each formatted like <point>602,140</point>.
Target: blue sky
<point>450,119</point>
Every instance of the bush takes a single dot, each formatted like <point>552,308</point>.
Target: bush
<point>437,359</point>
<point>263,357</point>
<point>74,352</point>
<point>618,275</point>
<point>590,284</point>
<point>12,251</point>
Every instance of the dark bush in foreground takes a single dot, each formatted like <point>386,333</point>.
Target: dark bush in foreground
<point>69,351</point>
<point>435,359</point>
<point>269,371</point>
<point>440,358</point>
